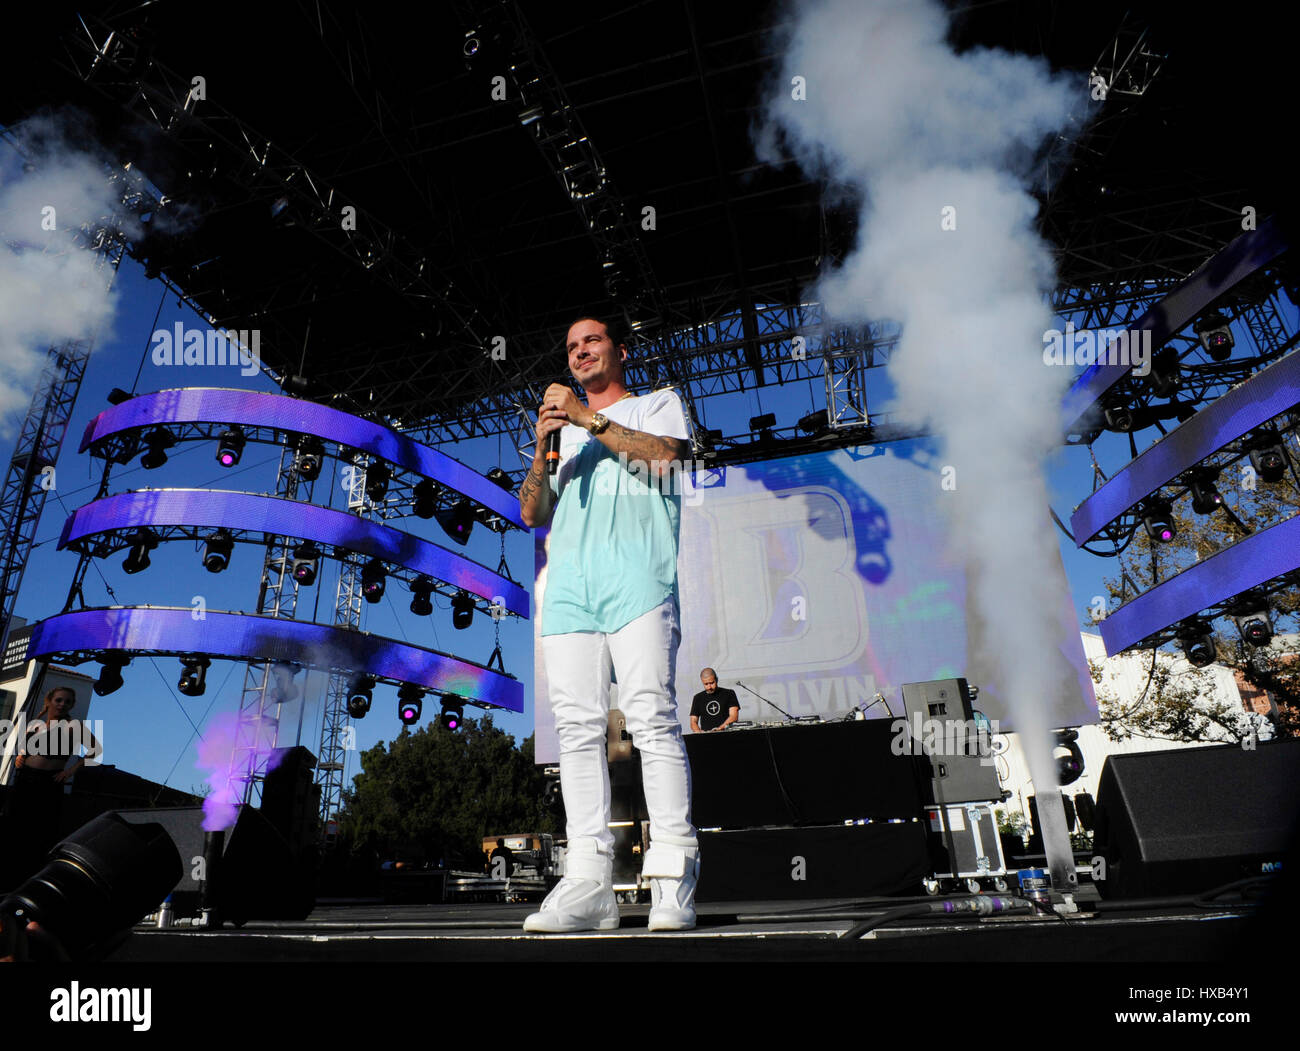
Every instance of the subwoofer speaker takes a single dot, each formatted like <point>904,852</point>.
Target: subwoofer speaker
<point>1188,820</point>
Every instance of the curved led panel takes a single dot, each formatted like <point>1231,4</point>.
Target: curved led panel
<point>244,636</point>
<point>1270,391</point>
<point>252,409</point>
<point>1246,564</point>
<point>1177,310</point>
<point>271,514</point>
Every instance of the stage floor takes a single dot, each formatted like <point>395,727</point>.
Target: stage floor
<point>761,931</point>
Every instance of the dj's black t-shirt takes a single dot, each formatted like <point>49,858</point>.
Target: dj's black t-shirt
<point>711,708</point>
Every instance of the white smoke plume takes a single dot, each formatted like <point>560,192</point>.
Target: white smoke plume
<point>940,147</point>
<point>50,289</point>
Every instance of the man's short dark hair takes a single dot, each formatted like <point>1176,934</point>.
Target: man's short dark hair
<point>615,326</point>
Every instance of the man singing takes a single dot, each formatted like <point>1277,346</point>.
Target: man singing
<point>611,598</point>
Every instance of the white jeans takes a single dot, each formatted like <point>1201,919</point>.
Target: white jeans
<point>644,658</point>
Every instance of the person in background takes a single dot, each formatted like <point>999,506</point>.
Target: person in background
<point>713,708</point>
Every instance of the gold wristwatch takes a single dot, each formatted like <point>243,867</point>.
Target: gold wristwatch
<point>598,423</point>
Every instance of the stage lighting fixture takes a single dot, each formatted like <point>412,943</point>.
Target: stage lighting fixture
<point>762,423</point>
<point>1254,624</point>
<point>462,607</point>
<point>1157,516</point>
<point>1206,498</point>
<point>1164,377</point>
<point>452,715</point>
<point>372,580</point>
<point>305,558</point>
<point>421,588</point>
<point>110,675</point>
<point>472,44</point>
<point>117,395</point>
<point>426,494</point>
<point>457,521</point>
<point>616,284</point>
<point>159,440</point>
<point>1197,643</point>
<point>360,694</point>
<point>311,454</point>
<point>142,542</point>
<point>499,477</point>
<point>377,477</point>
<point>230,446</point>
<point>814,422</point>
<point>217,550</point>
<point>1268,457</point>
<point>1069,767</point>
<point>409,703</point>
<point>1215,335</point>
<point>194,676</point>
<point>584,180</point>
<point>1119,417</point>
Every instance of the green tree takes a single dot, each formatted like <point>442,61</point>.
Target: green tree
<point>1176,704</point>
<point>436,793</point>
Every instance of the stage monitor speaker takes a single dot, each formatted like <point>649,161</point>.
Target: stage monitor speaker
<point>255,876</point>
<point>1085,807</point>
<point>940,700</point>
<point>1188,820</point>
<point>959,757</point>
<point>290,800</point>
<point>1070,816</point>
<point>829,861</point>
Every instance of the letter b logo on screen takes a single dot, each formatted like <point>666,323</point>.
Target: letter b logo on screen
<point>793,596</point>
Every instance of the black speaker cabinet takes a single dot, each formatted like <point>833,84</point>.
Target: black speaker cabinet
<point>1191,819</point>
<point>830,861</point>
<point>940,700</point>
<point>802,774</point>
<point>256,875</point>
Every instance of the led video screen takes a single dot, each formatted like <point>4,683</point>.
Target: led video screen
<point>818,581</point>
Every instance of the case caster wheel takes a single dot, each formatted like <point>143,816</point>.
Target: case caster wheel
<point>931,886</point>
<point>973,885</point>
<point>1000,885</point>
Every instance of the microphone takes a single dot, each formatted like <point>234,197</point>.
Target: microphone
<point>553,440</point>
<point>553,452</point>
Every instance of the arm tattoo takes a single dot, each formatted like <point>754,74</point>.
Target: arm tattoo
<point>641,447</point>
<point>531,483</point>
<point>532,491</point>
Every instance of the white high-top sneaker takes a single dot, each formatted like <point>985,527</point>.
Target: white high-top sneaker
<point>584,899</point>
<point>673,872</point>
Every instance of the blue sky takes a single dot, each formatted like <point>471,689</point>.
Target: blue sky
<point>149,728</point>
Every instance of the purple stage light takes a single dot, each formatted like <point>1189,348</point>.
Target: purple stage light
<point>255,513</point>
<point>247,636</point>
<point>240,409</point>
